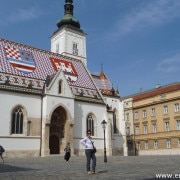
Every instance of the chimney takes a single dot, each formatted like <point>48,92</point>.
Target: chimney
<point>158,86</point>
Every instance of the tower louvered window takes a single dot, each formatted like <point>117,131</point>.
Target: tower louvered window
<point>75,49</point>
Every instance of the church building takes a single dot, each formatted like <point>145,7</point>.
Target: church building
<point>49,98</point>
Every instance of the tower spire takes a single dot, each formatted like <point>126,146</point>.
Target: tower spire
<point>68,18</point>
<point>69,39</point>
<point>101,67</point>
<point>68,7</point>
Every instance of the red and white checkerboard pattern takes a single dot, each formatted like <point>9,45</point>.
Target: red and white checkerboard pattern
<point>12,52</point>
<point>44,66</point>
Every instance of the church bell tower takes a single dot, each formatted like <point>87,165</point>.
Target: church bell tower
<point>69,39</point>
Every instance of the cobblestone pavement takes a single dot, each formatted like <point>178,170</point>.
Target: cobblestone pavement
<point>117,167</point>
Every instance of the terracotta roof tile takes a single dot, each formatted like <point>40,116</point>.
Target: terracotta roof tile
<point>158,91</point>
<point>104,84</point>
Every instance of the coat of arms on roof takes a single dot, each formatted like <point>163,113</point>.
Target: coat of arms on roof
<point>67,67</point>
<point>20,59</point>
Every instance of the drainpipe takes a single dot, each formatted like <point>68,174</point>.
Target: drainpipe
<point>42,95</point>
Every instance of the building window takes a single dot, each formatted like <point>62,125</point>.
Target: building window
<point>153,112</point>
<point>155,144</point>
<point>115,123</point>
<point>154,128</point>
<point>178,124</point>
<point>57,48</point>
<point>17,121</point>
<point>137,130</point>
<point>167,126</point>
<point>144,113</point>
<point>178,142</point>
<point>127,131</point>
<point>90,124</point>
<point>127,116</point>
<point>176,107</point>
<point>165,109</point>
<point>136,115</point>
<point>138,146</point>
<point>163,96</point>
<point>145,129</point>
<point>60,87</point>
<point>168,143</point>
<point>75,48</point>
<point>146,145</point>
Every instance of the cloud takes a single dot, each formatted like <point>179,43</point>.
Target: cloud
<point>21,15</point>
<point>24,15</point>
<point>169,65</point>
<point>150,13</point>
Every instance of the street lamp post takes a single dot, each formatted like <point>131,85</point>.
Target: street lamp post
<point>104,123</point>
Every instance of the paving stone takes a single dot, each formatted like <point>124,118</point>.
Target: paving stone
<point>117,167</point>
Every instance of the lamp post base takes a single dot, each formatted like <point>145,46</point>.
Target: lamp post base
<point>105,157</point>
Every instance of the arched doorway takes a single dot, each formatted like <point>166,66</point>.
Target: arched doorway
<point>54,144</point>
<point>57,130</point>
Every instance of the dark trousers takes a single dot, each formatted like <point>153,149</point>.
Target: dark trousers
<point>90,155</point>
<point>67,156</point>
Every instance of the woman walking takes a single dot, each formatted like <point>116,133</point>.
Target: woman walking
<point>67,150</point>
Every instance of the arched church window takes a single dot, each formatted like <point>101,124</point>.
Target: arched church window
<point>114,123</point>
<point>90,124</point>
<point>17,121</point>
<point>60,86</point>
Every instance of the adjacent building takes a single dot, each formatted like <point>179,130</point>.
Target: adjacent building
<point>153,121</point>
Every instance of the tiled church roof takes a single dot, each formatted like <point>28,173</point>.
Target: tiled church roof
<point>105,85</point>
<point>24,66</point>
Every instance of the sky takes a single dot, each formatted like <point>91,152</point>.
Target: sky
<point>135,42</point>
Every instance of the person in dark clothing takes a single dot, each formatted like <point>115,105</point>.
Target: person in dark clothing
<point>1,152</point>
<point>67,150</point>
